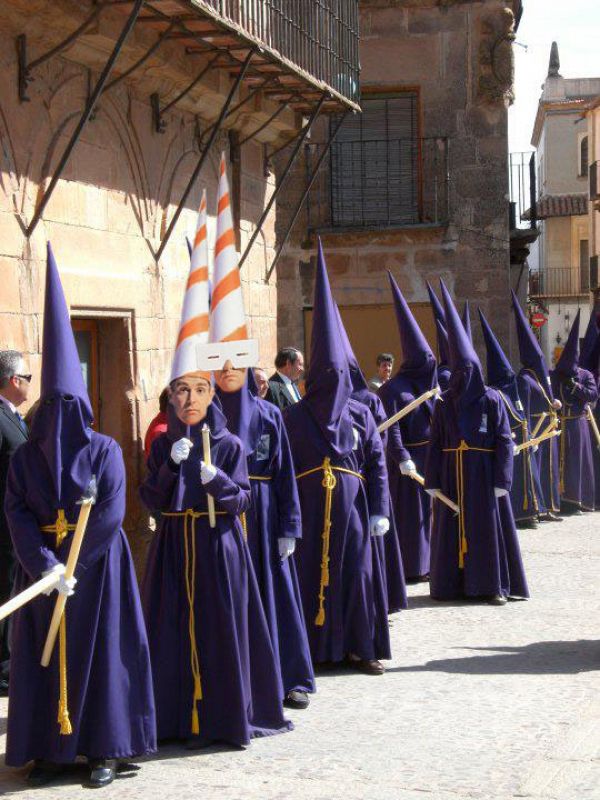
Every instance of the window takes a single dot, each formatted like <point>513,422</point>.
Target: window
<point>583,156</point>
<point>86,340</point>
<point>376,163</point>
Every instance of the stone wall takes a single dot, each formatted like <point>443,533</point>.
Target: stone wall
<point>458,56</point>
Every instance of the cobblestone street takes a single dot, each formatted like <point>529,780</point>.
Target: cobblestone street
<point>479,702</point>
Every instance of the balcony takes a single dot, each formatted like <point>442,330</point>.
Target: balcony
<point>559,282</point>
<point>380,183</point>
<point>303,49</point>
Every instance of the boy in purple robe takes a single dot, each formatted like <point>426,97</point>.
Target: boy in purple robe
<point>417,374</point>
<point>215,674</point>
<point>577,391</point>
<point>470,456</point>
<point>99,676</point>
<point>443,367</point>
<point>272,524</point>
<point>541,410</point>
<point>502,377</point>
<point>342,482</point>
<point>590,359</point>
<point>388,558</point>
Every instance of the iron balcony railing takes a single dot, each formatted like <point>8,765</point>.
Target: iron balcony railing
<point>317,37</point>
<point>559,282</point>
<point>522,190</point>
<point>381,183</point>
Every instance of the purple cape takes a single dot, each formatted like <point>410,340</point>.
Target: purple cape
<point>274,513</point>
<point>241,692</point>
<point>109,688</point>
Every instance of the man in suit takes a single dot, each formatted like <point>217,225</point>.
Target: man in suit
<point>14,388</point>
<point>283,384</point>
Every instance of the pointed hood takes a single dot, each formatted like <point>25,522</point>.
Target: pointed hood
<point>466,320</point>
<point>589,357</point>
<point>569,358</point>
<point>440,326</point>
<point>530,351</point>
<point>328,382</point>
<point>500,373</point>
<point>359,384</point>
<point>467,386</point>
<point>62,423</point>
<point>418,361</point>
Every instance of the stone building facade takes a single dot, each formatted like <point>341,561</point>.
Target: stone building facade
<point>120,189</point>
<point>436,83</point>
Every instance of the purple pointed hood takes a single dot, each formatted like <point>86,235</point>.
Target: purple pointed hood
<point>530,351</point>
<point>418,362</point>
<point>241,412</point>
<point>569,358</point>
<point>500,373</point>
<point>61,426</point>
<point>328,381</point>
<point>466,320</point>
<point>440,326</point>
<point>589,357</point>
<point>359,384</point>
<point>467,386</point>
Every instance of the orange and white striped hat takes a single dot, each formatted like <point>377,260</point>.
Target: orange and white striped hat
<point>227,317</point>
<point>193,329</point>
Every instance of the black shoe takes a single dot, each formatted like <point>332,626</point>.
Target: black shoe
<point>550,516</point>
<point>44,772</point>
<point>366,665</point>
<point>296,699</point>
<point>497,600</point>
<point>526,524</point>
<point>103,773</point>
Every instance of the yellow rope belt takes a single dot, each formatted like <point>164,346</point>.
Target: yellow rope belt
<point>189,543</point>
<point>416,444</point>
<point>60,529</point>
<point>460,488</point>
<point>329,483</point>
<point>243,519</point>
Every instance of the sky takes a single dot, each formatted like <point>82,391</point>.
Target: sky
<point>575,26</point>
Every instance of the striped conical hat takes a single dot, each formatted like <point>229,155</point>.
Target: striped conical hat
<point>193,329</point>
<point>227,317</point>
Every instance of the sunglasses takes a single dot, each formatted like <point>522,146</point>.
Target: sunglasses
<point>24,378</point>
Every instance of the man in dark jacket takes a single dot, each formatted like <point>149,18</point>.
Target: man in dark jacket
<point>283,384</point>
<point>14,389</point>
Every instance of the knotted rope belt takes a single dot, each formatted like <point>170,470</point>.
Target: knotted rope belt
<point>243,519</point>
<point>329,483</point>
<point>189,544</point>
<point>462,448</point>
<point>60,529</point>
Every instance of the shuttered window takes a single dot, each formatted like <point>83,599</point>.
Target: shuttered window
<point>375,164</point>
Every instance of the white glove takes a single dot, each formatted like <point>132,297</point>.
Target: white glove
<point>64,585</point>
<point>181,450</point>
<point>378,525</point>
<point>287,546</point>
<point>207,472</point>
<point>498,492</point>
<point>406,467</point>
<point>557,405</point>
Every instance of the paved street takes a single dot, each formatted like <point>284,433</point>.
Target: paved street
<point>479,702</point>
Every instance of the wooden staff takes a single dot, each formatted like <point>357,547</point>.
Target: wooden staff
<point>440,495</point>
<point>408,408</point>
<point>87,501</point>
<point>47,582</point>
<point>593,425</point>
<point>212,517</point>
<point>549,433</point>
<point>538,426</point>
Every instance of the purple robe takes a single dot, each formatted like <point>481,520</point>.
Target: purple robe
<point>523,494</point>
<point>575,448</point>
<point>355,598</point>
<point>240,688</point>
<point>274,513</point>
<point>408,440</point>
<point>109,682</point>
<point>537,400</point>
<point>492,563</point>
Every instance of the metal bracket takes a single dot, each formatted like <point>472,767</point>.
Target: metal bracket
<point>213,135</point>
<point>25,69</point>
<point>302,136</point>
<point>158,113</point>
<point>87,112</point>
<point>301,201</point>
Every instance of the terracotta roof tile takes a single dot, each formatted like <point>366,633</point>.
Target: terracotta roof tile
<point>560,205</point>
